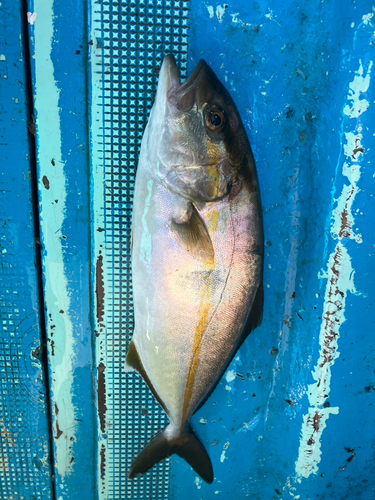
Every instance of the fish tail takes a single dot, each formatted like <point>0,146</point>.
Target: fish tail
<point>186,445</point>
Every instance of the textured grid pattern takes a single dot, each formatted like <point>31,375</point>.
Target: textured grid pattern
<point>134,37</point>
<point>24,461</point>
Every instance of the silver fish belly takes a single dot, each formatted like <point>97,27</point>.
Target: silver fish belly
<point>197,254</point>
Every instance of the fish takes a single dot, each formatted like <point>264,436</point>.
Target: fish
<point>197,254</point>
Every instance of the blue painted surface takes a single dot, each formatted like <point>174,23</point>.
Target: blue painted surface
<point>24,439</point>
<point>299,75</point>
<point>60,40</point>
<point>289,67</point>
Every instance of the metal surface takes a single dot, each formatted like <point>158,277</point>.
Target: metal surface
<point>24,439</point>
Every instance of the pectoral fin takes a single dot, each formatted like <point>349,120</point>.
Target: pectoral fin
<point>133,362</point>
<point>193,236</point>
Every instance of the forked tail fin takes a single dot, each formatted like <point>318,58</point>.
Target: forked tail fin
<point>186,446</point>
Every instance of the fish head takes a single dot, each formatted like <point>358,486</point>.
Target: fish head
<point>196,142</point>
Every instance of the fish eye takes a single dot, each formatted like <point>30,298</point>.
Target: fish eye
<point>215,120</point>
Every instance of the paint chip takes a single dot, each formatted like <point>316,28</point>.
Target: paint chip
<point>31,16</point>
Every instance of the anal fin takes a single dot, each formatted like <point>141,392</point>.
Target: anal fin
<point>191,233</point>
<point>133,362</point>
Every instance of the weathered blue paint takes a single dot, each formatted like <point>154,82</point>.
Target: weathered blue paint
<point>24,439</point>
<point>59,39</point>
<point>293,416</point>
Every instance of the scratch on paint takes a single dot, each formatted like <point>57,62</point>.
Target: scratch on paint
<point>52,220</point>
<point>290,286</point>
<point>270,16</point>
<point>250,425</point>
<point>340,281</point>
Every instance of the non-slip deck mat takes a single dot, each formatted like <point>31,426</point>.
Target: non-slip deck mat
<point>132,38</point>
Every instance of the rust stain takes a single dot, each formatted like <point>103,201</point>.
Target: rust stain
<point>357,150</point>
<point>102,462</point>
<point>4,467</point>
<point>6,435</point>
<point>102,408</point>
<point>45,182</point>
<point>58,430</point>
<point>99,289</point>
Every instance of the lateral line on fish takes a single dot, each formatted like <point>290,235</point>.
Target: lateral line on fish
<point>197,344</point>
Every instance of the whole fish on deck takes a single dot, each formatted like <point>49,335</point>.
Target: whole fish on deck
<point>197,254</point>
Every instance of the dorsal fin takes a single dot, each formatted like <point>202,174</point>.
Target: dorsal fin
<point>133,361</point>
<point>193,236</point>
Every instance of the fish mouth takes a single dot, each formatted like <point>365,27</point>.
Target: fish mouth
<point>182,96</point>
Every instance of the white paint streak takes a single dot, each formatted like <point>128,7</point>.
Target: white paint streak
<point>237,20</point>
<point>31,16</point>
<point>52,220</point>
<point>210,11</point>
<point>340,281</point>
<point>220,11</point>
<point>366,18</point>
<point>358,86</point>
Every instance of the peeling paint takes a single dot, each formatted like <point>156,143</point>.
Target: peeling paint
<point>52,219</point>
<point>250,425</point>
<point>340,281</point>
<point>31,17</point>
<point>99,289</point>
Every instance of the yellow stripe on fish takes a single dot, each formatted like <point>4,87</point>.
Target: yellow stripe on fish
<point>203,319</point>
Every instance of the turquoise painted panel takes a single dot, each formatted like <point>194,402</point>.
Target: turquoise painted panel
<point>59,61</point>
<point>293,416</point>
<point>25,471</point>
